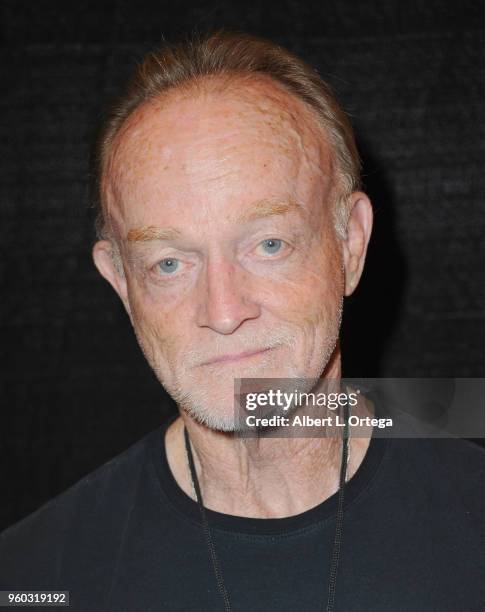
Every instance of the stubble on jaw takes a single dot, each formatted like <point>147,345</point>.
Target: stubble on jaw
<point>174,364</point>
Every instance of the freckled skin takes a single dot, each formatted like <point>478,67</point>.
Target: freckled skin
<point>194,161</point>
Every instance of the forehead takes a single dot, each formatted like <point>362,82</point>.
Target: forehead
<point>221,140</point>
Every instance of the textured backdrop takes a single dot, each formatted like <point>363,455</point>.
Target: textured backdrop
<point>75,387</point>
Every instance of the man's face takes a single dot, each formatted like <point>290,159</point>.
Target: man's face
<point>221,206</point>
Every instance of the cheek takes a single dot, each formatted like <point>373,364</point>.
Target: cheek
<point>311,295</point>
<point>159,328</point>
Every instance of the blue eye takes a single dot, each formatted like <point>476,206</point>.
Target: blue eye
<point>168,265</point>
<point>272,245</point>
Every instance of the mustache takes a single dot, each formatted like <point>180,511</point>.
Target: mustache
<point>223,346</point>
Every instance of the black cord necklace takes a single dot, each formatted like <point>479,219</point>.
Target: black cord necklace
<point>334,560</point>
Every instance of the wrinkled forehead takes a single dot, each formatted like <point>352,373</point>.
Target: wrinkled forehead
<point>197,130</point>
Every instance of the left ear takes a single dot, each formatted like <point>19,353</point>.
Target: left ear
<point>359,228</point>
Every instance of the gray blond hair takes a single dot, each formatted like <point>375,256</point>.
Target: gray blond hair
<point>228,54</point>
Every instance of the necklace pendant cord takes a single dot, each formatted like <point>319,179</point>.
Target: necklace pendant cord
<point>205,525</point>
<point>332,582</point>
<point>335,557</point>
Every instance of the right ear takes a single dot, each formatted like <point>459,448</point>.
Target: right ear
<point>108,262</point>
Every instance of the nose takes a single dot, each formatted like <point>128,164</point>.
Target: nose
<point>225,298</point>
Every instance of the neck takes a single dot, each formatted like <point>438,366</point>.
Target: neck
<point>262,477</point>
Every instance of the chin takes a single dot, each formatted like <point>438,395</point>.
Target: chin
<point>212,402</point>
<point>206,400</point>
<point>223,422</point>
<point>209,394</point>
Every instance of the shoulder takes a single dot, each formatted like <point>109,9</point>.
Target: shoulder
<point>459,453</point>
<point>455,457</point>
<point>40,539</point>
<point>461,463</point>
<point>433,452</point>
<point>443,472</point>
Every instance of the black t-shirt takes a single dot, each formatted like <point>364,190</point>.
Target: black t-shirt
<point>126,538</point>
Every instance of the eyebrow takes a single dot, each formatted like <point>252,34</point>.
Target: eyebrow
<point>150,232</point>
<point>268,208</point>
<point>258,210</point>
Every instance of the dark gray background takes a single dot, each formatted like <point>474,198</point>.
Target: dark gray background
<point>75,387</point>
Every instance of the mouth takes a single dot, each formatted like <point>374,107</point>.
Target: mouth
<point>236,357</point>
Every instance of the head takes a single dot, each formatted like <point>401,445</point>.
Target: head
<point>230,218</point>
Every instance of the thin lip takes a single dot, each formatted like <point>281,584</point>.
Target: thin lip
<point>236,357</point>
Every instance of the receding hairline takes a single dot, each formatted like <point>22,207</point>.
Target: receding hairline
<point>223,55</point>
<point>268,88</point>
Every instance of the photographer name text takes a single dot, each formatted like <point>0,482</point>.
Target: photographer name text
<point>307,421</point>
